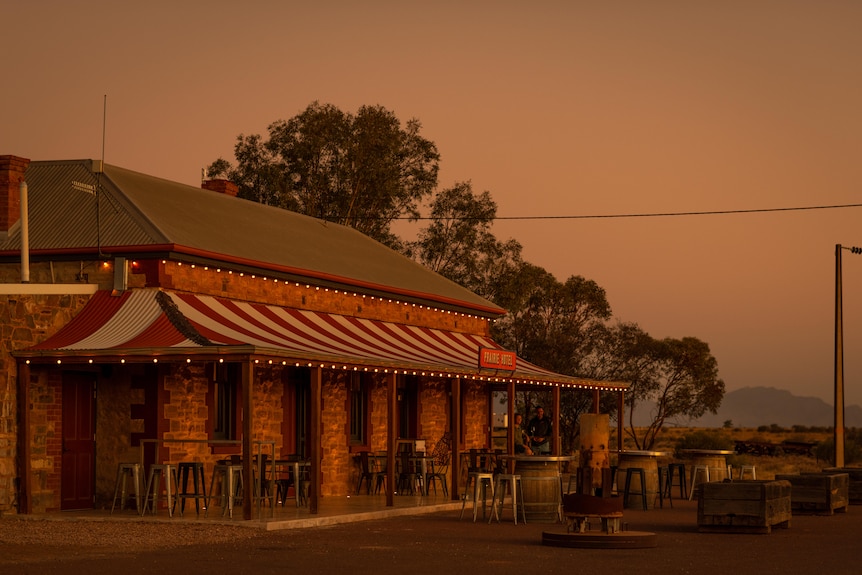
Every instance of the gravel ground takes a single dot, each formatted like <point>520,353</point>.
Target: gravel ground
<point>422,545</point>
<point>26,539</point>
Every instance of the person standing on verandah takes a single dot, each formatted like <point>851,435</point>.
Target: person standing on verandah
<point>540,432</point>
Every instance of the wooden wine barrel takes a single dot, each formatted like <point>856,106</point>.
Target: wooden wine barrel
<point>649,462</point>
<point>541,483</point>
<point>715,460</point>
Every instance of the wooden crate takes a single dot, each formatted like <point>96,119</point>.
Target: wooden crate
<point>855,488</point>
<point>744,506</point>
<point>818,493</point>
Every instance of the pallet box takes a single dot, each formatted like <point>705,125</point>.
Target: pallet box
<point>855,488</point>
<point>818,493</point>
<point>744,506</point>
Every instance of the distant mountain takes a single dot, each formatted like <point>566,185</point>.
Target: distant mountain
<point>756,406</point>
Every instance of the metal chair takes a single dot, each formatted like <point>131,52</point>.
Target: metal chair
<point>438,471</point>
<point>366,473</point>
<point>409,474</point>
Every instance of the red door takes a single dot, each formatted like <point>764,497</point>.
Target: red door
<point>78,465</point>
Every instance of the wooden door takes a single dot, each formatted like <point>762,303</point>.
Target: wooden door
<point>79,444</point>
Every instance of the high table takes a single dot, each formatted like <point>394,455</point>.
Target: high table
<point>649,462</point>
<point>542,485</point>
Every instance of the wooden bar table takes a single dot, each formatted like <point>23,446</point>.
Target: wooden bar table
<point>715,460</point>
<point>541,483</point>
<point>649,462</point>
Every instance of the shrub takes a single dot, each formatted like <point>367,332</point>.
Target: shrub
<point>825,450</point>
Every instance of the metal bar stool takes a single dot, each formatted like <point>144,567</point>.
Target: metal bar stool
<point>230,478</point>
<point>133,472</point>
<point>679,469</point>
<point>501,482</point>
<point>698,471</point>
<point>664,485</point>
<point>196,468</point>
<point>627,491</point>
<point>747,468</point>
<point>479,480</point>
<point>153,492</point>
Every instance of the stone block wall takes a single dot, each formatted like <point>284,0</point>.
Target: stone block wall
<point>46,400</point>
<point>24,321</point>
<point>337,464</point>
<point>250,287</point>
<point>114,427</point>
<point>476,408</point>
<point>434,408</point>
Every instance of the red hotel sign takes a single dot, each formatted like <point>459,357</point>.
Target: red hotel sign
<point>496,359</point>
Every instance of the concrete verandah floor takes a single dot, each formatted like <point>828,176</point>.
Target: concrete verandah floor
<point>332,510</point>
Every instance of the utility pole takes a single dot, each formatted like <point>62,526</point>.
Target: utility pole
<point>839,358</point>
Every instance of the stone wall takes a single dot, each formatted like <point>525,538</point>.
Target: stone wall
<point>250,287</point>
<point>336,466</point>
<point>46,399</point>
<point>24,321</point>
<point>476,408</point>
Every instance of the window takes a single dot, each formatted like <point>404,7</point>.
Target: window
<point>358,409</point>
<point>408,406</point>
<point>224,406</point>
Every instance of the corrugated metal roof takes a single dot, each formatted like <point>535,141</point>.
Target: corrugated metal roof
<point>138,210</point>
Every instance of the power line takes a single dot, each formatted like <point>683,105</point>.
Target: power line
<point>663,214</point>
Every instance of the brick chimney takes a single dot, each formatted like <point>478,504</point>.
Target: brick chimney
<point>12,169</point>
<point>221,186</point>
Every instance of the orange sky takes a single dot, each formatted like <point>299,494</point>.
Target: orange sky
<point>555,107</point>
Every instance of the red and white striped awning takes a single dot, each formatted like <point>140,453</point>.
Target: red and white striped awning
<point>167,323</point>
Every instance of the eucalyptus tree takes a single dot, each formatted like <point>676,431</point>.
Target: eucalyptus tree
<point>362,170</point>
<point>687,386</point>
<point>459,244</point>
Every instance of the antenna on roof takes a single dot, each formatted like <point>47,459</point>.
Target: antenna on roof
<point>104,124</point>
<point>99,179</point>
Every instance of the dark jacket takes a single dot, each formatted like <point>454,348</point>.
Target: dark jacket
<point>540,428</point>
